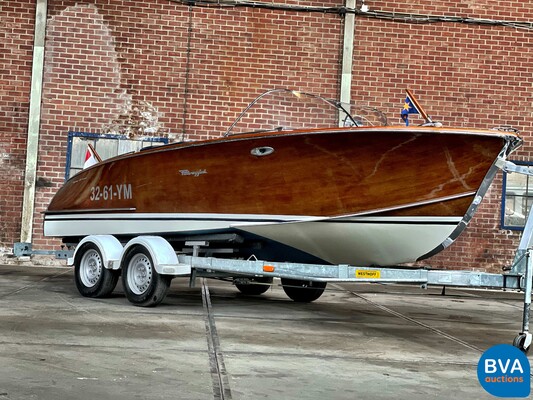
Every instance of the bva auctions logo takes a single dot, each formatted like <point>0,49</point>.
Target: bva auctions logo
<point>503,371</point>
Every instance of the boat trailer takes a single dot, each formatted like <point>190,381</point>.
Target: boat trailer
<point>99,259</point>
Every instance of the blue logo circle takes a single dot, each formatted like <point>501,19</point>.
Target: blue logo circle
<point>503,371</point>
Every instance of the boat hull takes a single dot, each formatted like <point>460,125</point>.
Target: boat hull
<point>357,241</point>
<point>372,196</point>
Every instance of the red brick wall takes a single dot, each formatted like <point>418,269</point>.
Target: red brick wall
<point>103,56</point>
<point>16,43</point>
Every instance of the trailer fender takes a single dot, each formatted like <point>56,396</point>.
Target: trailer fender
<point>109,246</point>
<point>163,255</point>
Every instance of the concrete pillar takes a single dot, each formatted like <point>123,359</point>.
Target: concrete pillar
<point>32,145</point>
<point>347,59</point>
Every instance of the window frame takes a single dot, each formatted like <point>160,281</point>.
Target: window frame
<point>94,136</point>
<point>528,189</point>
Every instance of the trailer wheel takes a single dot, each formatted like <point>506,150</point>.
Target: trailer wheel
<point>255,289</point>
<point>303,291</point>
<point>144,287</point>
<point>91,277</point>
<point>521,342</point>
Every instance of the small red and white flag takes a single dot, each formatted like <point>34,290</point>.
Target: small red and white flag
<point>90,157</point>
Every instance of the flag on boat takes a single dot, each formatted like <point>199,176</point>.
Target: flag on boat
<point>408,108</point>
<point>90,157</point>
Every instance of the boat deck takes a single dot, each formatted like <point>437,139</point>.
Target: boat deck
<point>368,341</point>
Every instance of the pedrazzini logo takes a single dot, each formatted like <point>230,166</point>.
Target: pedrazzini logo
<point>503,371</point>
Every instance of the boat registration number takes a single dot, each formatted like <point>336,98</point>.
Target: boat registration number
<point>367,274</point>
<point>111,192</point>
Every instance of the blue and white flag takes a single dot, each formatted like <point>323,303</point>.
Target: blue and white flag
<point>408,108</point>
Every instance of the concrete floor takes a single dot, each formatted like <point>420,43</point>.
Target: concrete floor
<point>356,342</point>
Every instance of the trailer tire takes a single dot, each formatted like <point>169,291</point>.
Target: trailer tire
<point>302,291</point>
<point>253,289</point>
<point>143,285</point>
<point>91,277</point>
<point>520,342</point>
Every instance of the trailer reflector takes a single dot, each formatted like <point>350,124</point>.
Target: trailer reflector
<point>268,268</point>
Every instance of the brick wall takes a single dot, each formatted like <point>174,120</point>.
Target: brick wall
<point>16,43</point>
<point>104,57</point>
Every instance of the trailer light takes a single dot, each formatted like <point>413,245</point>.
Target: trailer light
<point>268,268</point>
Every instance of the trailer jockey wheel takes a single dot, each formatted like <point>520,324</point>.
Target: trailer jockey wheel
<point>303,291</point>
<point>91,277</point>
<point>523,341</point>
<point>143,286</point>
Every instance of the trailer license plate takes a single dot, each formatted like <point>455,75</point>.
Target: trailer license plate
<point>367,274</point>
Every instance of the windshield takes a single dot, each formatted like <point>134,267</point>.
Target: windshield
<point>284,109</point>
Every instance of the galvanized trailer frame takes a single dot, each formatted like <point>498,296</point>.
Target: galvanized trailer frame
<point>243,271</point>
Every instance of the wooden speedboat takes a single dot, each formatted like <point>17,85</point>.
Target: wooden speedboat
<point>361,194</point>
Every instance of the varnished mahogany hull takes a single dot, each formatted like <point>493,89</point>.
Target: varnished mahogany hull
<point>360,196</point>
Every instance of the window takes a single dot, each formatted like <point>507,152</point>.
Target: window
<point>517,199</point>
<point>106,146</point>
